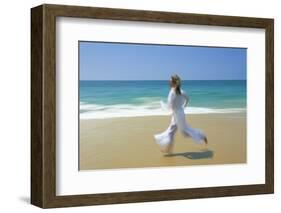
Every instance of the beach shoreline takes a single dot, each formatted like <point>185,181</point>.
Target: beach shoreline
<point>115,143</point>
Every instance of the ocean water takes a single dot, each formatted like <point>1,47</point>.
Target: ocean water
<point>108,99</point>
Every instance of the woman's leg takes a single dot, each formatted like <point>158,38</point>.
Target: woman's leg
<point>165,139</point>
<point>196,134</point>
<point>172,128</point>
<point>171,131</point>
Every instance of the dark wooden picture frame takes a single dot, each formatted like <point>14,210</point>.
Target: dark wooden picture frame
<point>43,105</point>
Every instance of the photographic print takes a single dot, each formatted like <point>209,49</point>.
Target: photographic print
<point>161,105</point>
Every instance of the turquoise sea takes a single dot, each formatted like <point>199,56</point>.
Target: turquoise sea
<point>107,99</point>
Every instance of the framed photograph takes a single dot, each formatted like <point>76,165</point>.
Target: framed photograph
<point>137,106</point>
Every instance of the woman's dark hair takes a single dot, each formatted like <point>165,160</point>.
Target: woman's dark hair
<point>177,82</point>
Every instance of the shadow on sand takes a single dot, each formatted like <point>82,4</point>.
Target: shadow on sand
<point>203,154</point>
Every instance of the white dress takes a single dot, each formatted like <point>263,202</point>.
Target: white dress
<point>176,105</point>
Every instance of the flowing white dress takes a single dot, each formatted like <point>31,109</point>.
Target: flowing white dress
<point>176,103</point>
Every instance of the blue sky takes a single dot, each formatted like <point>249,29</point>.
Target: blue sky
<point>123,61</point>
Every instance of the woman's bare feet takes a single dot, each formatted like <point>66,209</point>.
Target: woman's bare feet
<point>206,140</point>
<point>166,150</point>
<point>170,150</point>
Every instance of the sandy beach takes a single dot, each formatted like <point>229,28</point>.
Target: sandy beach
<point>128,142</point>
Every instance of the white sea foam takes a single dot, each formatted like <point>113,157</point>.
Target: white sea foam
<point>94,111</point>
